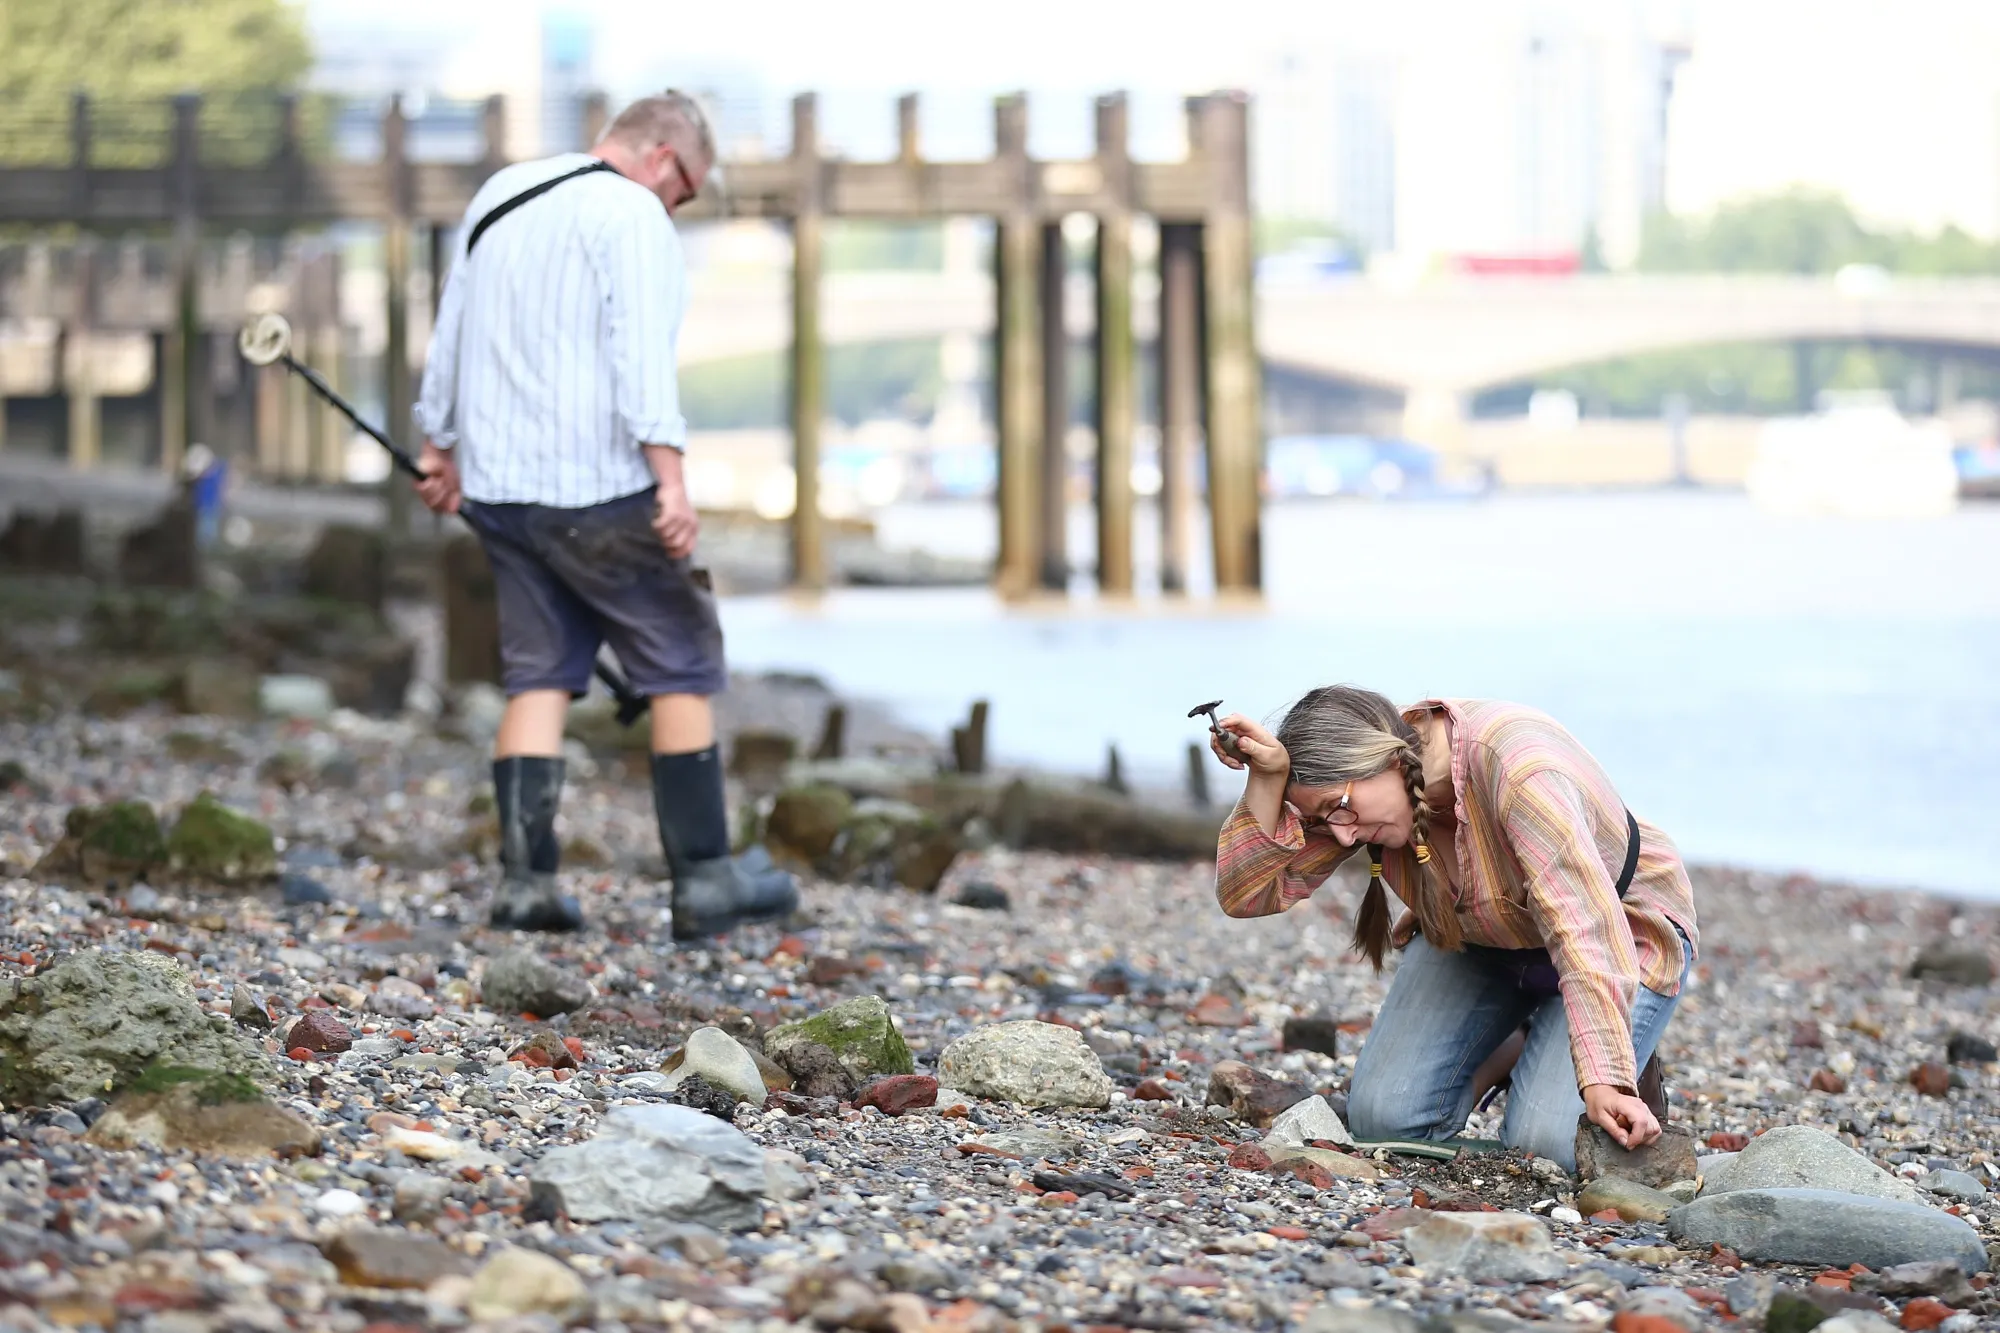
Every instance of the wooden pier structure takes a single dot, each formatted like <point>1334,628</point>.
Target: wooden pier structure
<point>91,289</point>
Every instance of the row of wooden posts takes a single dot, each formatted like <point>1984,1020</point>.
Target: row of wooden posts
<point>1209,382</point>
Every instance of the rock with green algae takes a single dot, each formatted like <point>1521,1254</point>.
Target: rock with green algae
<point>883,842</point>
<point>97,1022</point>
<point>806,820</point>
<point>202,1110</point>
<point>115,843</point>
<point>859,1033</point>
<point>212,842</point>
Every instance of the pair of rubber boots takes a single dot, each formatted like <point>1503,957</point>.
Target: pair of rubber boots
<point>711,894</point>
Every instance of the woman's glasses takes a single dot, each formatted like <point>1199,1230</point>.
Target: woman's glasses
<point>1341,812</point>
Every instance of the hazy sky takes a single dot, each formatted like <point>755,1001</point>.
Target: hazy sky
<point>1894,102</point>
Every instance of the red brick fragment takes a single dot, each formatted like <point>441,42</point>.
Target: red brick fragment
<point>1931,1079</point>
<point>1288,1233</point>
<point>1925,1313</point>
<point>1825,1080</point>
<point>1152,1090</point>
<point>900,1093</point>
<point>1249,1157</point>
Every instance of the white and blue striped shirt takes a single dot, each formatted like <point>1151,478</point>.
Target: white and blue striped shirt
<point>554,355</point>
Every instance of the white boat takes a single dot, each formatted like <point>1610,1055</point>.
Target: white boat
<point>1858,457</point>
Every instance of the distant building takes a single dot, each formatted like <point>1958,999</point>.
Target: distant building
<point>542,58</point>
<point>1325,143</point>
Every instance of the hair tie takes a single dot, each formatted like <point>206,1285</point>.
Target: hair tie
<point>1423,854</point>
<point>1375,870</point>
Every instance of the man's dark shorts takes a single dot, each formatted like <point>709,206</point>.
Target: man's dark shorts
<point>569,580</point>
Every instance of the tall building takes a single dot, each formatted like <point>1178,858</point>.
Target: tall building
<point>1534,131</point>
<point>1324,147</point>
<point>540,57</point>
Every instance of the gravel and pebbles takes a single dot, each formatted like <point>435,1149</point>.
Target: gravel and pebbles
<point>498,1145</point>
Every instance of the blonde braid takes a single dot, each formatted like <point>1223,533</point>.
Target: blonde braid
<point>1436,912</point>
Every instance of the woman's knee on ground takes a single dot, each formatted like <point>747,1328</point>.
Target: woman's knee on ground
<point>1377,1108</point>
<point>1546,1130</point>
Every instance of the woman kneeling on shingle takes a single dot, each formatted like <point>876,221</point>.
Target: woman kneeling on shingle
<point>1532,897</point>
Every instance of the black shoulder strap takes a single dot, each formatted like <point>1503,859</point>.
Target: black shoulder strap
<point>532,192</point>
<point>1631,855</point>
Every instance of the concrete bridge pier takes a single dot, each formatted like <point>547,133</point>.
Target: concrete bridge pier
<point>1437,415</point>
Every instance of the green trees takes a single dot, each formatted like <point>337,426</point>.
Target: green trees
<point>1803,230</point>
<point>130,56</point>
<point>131,49</point>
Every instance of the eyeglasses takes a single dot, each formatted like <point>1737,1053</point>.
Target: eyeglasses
<point>1342,813</point>
<point>688,188</point>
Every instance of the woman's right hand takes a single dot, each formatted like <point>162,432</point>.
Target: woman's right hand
<point>1261,752</point>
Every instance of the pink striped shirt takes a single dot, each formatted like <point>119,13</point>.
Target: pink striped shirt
<point>1541,837</point>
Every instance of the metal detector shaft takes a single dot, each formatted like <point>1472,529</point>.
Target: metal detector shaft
<point>402,460</point>
<point>267,340</point>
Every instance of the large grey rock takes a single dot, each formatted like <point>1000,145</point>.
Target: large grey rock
<point>521,982</point>
<point>1031,1063</point>
<point>1954,1185</point>
<point>717,1058</point>
<point>657,1163</point>
<point>1510,1247</point>
<point>1801,1157</point>
<point>96,1021</point>
<point>1952,962</point>
<point>1818,1226</point>
<point>1302,1122</point>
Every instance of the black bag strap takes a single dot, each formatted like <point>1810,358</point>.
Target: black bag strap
<point>1631,855</point>
<point>532,192</point>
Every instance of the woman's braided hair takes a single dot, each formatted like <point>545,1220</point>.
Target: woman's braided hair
<point>1341,733</point>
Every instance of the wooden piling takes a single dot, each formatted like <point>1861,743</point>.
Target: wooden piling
<point>180,410</point>
<point>1197,775</point>
<point>809,569</point>
<point>968,743</point>
<point>80,355</point>
<point>1179,355</point>
<point>397,386</point>
<point>1017,334</point>
<point>1235,433</point>
<point>1117,414</point>
<point>909,145</point>
<point>1053,521</point>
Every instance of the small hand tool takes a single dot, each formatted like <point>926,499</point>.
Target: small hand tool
<point>1228,738</point>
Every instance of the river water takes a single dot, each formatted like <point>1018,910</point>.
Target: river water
<point>1812,694</point>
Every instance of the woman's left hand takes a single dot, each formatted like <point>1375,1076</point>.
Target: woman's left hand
<point>1623,1116</point>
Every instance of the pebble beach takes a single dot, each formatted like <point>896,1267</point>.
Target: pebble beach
<point>418,1148</point>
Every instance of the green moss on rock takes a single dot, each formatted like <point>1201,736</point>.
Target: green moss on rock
<point>210,1087</point>
<point>105,844</point>
<point>97,1022</point>
<point>212,842</point>
<point>806,820</point>
<point>860,1033</point>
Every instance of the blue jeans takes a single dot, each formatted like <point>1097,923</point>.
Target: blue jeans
<point>1444,1014</point>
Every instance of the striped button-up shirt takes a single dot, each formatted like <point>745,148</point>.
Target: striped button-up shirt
<point>1541,836</point>
<point>553,359</point>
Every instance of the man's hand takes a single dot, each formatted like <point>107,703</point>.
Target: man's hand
<point>1624,1117</point>
<point>674,521</point>
<point>439,487</point>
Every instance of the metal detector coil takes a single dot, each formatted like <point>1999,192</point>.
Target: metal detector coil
<point>265,340</point>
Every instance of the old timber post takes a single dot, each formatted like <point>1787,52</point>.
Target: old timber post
<point>1235,439</point>
<point>1117,408</point>
<point>1053,520</point>
<point>1017,246</point>
<point>397,389</point>
<point>181,414</point>
<point>1179,350</point>
<point>809,571</point>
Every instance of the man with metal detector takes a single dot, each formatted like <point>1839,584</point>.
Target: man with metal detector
<point>553,427</point>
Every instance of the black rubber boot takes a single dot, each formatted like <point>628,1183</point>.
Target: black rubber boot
<point>526,791</point>
<point>713,891</point>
